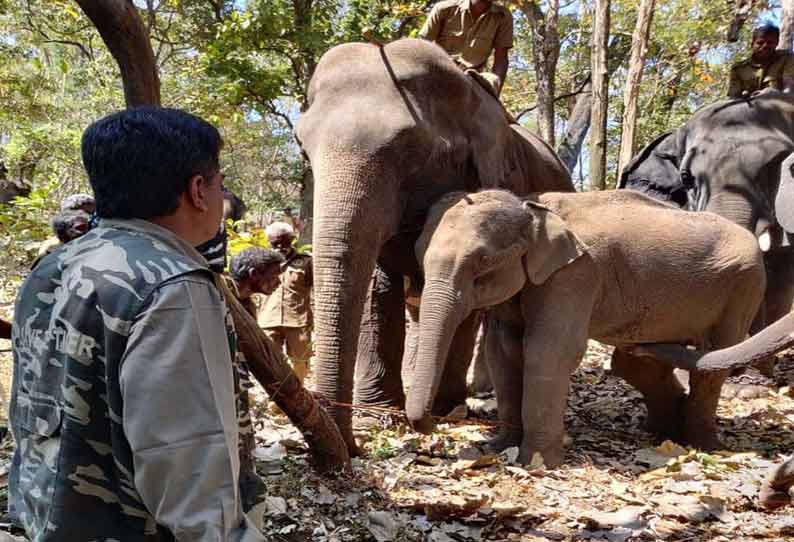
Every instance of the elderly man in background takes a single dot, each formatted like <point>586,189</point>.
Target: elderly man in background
<point>286,315</point>
<point>254,273</point>
<point>767,67</point>
<point>67,225</point>
<point>469,31</point>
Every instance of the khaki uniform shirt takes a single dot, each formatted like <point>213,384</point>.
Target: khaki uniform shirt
<point>750,77</point>
<point>290,304</point>
<point>469,42</point>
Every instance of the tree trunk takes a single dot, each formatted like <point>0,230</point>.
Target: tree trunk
<point>125,35</point>
<point>121,28</point>
<point>787,26</point>
<point>578,125</point>
<point>570,147</point>
<point>598,132</point>
<point>545,53</point>
<point>270,368</point>
<point>639,48</point>
<point>741,12</point>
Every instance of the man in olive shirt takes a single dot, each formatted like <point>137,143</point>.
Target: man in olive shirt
<point>469,30</point>
<point>286,314</point>
<point>767,68</point>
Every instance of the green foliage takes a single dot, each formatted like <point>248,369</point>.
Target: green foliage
<point>245,66</point>
<point>26,218</point>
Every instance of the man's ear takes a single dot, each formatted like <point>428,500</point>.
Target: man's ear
<point>197,192</point>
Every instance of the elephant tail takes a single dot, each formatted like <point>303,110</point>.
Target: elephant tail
<point>771,340</point>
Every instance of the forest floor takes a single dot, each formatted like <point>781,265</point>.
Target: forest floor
<point>616,484</point>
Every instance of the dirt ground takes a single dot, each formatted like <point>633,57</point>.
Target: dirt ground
<point>617,484</point>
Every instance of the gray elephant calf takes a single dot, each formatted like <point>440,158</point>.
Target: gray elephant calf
<point>559,268</point>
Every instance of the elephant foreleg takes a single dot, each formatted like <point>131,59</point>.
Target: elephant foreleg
<point>411,341</point>
<point>504,357</point>
<point>380,346</point>
<point>481,378</point>
<point>557,317</point>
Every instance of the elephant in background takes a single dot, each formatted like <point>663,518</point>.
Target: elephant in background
<point>389,130</point>
<point>727,159</point>
<point>559,268</point>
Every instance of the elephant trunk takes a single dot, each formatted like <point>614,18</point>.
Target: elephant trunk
<point>440,314</point>
<point>346,242</point>
<point>771,340</point>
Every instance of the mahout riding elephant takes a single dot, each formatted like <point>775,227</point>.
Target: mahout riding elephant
<point>559,268</point>
<point>388,131</point>
<point>727,159</point>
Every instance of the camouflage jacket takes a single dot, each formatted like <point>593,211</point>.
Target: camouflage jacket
<point>123,413</point>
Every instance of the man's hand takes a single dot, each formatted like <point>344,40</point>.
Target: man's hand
<point>500,64</point>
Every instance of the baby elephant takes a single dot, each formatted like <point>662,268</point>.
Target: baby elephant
<point>560,268</point>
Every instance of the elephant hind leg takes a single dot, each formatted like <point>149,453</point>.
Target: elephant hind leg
<point>700,411</point>
<point>663,394</point>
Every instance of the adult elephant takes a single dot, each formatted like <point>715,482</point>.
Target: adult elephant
<point>727,159</point>
<point>388,131</point>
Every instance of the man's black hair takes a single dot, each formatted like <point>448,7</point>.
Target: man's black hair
<point>140,160</point>
<point>766,29</point>
<point>253,259</point>
<point>65,223</point>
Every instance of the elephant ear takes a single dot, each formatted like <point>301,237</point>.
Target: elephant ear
<point>553,245</point>
<point>784,200</point>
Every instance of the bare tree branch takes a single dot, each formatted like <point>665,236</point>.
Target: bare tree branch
<point>576,92</point>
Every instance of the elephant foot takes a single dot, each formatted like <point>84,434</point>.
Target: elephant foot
<point>665,416</point>
<point>701,438</point>
<point>552,455</point>
<point>772,499</point>
<point>506,438</point>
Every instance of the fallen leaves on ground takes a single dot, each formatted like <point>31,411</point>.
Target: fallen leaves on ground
<point>617,483</point>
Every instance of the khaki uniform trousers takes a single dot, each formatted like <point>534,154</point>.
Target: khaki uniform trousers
<point>298,346</point>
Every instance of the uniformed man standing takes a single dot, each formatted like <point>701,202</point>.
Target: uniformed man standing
<point>122,405</point>
<point>469,30</point>
<point>286,315</point>
<point>767,68</point>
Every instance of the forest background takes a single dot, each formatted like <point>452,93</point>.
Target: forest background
<point>245,65</point>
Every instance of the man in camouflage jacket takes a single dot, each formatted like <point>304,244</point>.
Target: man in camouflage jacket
<point>122,405</point>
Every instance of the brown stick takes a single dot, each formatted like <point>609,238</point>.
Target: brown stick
<point>5,329</point>
<point>270,368</point>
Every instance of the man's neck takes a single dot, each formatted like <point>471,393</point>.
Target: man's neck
<point>180,225</point>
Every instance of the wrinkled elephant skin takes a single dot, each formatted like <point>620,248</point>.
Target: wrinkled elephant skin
<point>388,131</point>
<point>727,159</point>
<point>559,268</point>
